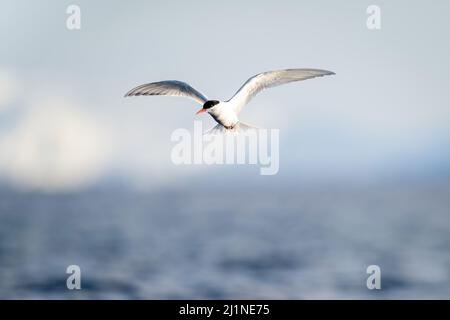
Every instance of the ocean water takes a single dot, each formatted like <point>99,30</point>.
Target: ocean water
<point>279,244</point>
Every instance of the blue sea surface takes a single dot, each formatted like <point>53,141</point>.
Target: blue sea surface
<point>178,244</point>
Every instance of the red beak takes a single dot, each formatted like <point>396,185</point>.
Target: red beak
<point>201,111</point>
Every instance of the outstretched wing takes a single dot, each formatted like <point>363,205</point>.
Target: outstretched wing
<point>271,79</point>
<point>168,88</point>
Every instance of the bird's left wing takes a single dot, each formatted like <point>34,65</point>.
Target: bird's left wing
<point>270,79</point>
<point>168,88</point>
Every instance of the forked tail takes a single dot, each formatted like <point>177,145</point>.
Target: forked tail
<point>238,128</point>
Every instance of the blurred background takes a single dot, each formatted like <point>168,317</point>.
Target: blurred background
<point>86,176</point>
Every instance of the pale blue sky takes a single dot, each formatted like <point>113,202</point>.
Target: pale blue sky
<point>65,124</point>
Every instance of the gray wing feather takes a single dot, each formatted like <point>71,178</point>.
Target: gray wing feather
<point>269,79</point>
<point>168,88</point>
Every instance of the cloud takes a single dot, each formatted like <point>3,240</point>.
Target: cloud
<point>54,146</point>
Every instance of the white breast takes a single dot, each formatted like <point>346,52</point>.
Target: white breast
<point>224,114</point>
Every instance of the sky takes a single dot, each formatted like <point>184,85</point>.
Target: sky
<point>65,125</point>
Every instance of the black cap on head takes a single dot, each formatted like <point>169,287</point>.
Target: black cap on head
<point>210,103</point>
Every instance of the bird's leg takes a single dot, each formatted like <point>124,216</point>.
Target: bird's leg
<point>230,127</point>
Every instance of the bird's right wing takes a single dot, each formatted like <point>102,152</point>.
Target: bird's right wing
<point>270,79</point>
<point>168,88</point>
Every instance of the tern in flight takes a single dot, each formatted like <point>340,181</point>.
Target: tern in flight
<point>226,112</point>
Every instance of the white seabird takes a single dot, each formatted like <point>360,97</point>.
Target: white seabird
<point>226,112</point>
